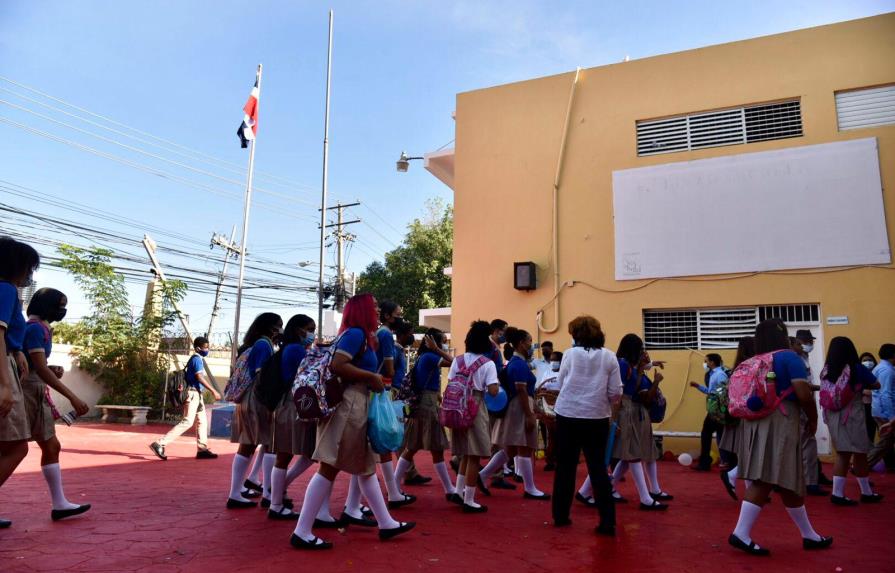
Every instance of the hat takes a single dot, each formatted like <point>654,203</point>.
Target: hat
<point>804,335</point>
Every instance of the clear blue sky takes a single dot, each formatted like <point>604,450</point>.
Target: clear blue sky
<point>182,70</point>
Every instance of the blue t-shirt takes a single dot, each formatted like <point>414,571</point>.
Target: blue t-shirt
<point>193,367</point>
<point>11,316</point>
<point>293,354</point>
<point>386,348</point>
<point>350,344</point>
<point>788,366</point>
<point>518,372</point>
<point>400,367</point>
<point>261,351</point>
<point>37,337</point>
<point>428,372</point>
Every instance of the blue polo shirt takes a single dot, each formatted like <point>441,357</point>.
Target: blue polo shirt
<point>11,317</point>
<point>37,339</point>
<point>428,372</point>
<point>788,366</point>
<point>260,352</point>
<point>193,367</point>
<point>632,387</point>
<point>350,343</point>
<point>519,372</point>
<point>496,356</point>
<point>400,367</point>
<point>717,377</point>
<point>293,354</point>
<point>386,350</point>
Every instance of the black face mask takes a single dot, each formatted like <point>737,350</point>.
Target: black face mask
<point>59,315</point>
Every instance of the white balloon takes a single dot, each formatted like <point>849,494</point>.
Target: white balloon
<point>685,459</point>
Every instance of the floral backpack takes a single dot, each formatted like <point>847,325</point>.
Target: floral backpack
<point>242,376</point>
<point>836,396</point>
<point>316,391</point>
<point>458,407</point>
<point>751,395</point>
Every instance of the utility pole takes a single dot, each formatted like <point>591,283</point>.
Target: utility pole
<point>341,238</point>
<point>229,250</point>
<point>325,185</point>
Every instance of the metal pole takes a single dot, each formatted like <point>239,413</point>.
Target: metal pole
<point>245,233</point>
<point>217,292</point>
<point>329,62</point>
<point>340,262</point>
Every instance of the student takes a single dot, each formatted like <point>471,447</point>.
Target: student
<point>474,443</point>
<point>848,429</point>
<point>47,306</point>
<point>542,365</point>
<point>731,437</point>
<point>195,405</point>
<point>590,387</point>
<point>292,437</point>
<point>770,450</point>
<point>803,344</point>
<point>424,432</point>
<point>500,358</point>
<point>547,390</point>
<point>342,443</point>
<point>868,360</point>
<point>404,340</point>
<point>634,438</point>
<point>18,261</point>
<point>717,376</point>
<point>884,403</point>
<point>517,433</point>
<point>251,419</point>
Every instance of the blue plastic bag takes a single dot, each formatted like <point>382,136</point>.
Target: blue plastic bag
<point>386,433</point>
<point>610,443</point>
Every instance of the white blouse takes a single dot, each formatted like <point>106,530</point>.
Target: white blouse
<point>589,383</point>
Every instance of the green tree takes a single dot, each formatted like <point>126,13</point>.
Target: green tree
<point>413,274</point>
<point>118,348</point>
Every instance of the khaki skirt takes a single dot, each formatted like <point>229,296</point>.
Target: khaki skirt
<point>849,433</point>
<point>730,438</point>
<point>423,432</point>
<point>474,440</point>
<point>510,430</point>
<point>634,439</point>
<point>15,426</point>
<point>342,439</point>
<point>40,416</point>
<point>770,450</point>
<point>291,435</point>
<point>251,422</point>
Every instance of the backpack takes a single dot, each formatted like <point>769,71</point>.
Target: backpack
<point>270,388</point>
<point>458,406</point>
<point>658,408</point>
<point>242,377</point>
<point>178,391</point>
<point>717,405</point>
<point>316,391</point>
<point>750,395</point>
<point>836,396</point>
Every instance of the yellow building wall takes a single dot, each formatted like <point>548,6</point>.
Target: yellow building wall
<point>507,145</point>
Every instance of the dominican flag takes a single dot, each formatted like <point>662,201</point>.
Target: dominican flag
<point>248,129</point>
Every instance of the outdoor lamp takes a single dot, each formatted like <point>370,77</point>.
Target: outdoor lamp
<point>403,162</point>
<point>525,276</point>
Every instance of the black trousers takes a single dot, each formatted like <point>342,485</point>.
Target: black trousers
<point>709,428</point>
<point>574,435</point>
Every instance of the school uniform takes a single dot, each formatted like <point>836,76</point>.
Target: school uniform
<point>634,437</point>
<point>475,440</point>
<point>770,449</point>
<point>848,427</point>
<point>510,431</point>
<point>386,348</point>
<point>290,435</point>
<point>38,340</point>
<point>342,439</point>
<point>195,407</point>
<point>423,431</point>
<point>252,419</point>
<point>15,425</point>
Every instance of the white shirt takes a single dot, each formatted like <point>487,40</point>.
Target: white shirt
<point>542,367</point>
<point>484,376</point>
<point>589,383</point>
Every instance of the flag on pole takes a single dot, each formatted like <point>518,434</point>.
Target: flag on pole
<point>248,129</point>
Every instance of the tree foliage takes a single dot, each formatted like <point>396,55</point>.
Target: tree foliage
<point>118,348</point>
<point>413,274</point>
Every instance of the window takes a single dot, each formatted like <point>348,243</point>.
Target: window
<point>869,107</point>
<point>733,126</point>
<point>791,312</point>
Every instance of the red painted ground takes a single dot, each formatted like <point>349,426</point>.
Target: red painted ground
<point>156,516</point>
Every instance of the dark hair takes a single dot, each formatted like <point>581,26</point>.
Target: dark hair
<point>498,324</point>
<point>547,343</point>
<point>261,327</point>
<point>387,307</point>
<point>437,337</point>
<point>295,324</point>
<point>478,339</point>
<point>587,332</point>
<point>16,259</point>
<point>841,352</point>
<point>517,336</point>
<point>45,302</point>
<point>403,327</point>
<point>770,335</point>
<point>199,342</point>
<point>630,348</point>
<point>745,350</point>
<point>887,351</point>
<point>508,351</point>
<point>868,355</point>
<point>556,353</point>
<point>716,358</point>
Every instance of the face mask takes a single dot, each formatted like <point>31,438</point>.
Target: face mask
<point>647,366</point>
<point>554,366</point>
<point>309,339</point>
<point>60,314</point>
<point>29,281</point>
<point>501,339</point>
<point>705,367</point>
<point>868,365</point>
<point>445,347</point>
<point>807,348</point>
<point>202,353</point>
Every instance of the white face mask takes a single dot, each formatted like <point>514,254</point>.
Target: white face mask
<point>868,365</point>
<point>647,366</point>
<point>445,347</point>
<point>555,366</point>
<point>807,348</point>
<point>705,367</point>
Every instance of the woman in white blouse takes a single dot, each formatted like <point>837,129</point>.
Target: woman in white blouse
<point>590,385</point>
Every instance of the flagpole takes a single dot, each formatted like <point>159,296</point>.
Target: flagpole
<point>245,233</point>
<point>329,63</point>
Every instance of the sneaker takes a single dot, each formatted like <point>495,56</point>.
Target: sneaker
<point>158,450</point>
<point>206,455</point>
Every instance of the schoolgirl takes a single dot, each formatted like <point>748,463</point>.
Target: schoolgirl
<point>731,437</point>
<point>18,261</point>
<point>252,419</point>
<point>342,444</point>
<point>770,450</point>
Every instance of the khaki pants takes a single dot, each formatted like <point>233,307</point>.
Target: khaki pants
<point>882,446</point>
<point>195,410</point>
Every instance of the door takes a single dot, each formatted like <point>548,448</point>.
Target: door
<point>816,361</point>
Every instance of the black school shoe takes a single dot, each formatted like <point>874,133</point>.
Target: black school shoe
<point>5,523</point>
<point>417,480</point>
<point>731,489</point>
<point>500,483</point>
<point>408,499</point>
<point>842,501</point>
<point>283,515</point>
<point>606,530</point>
<point>58,514</point>
<point>252,486</point>
<point>480,483</point>
<point>810,544</point>
<point>588,501</point>
<point>337,524</point>
<point>542,497</point>
<point>206,455</point>
<point>751,548</point>
<point>363,522</point>
<point>453,498</point>
<point>661,496</point>
<point>871,498</point>
<point>239,504</point>
<point>287,503</point>
<point>158,450</point>
<point>472,509</point>
<point>823,480</point>
<point>385,534</point>
<point>655,506</point>
<point>299,543</point>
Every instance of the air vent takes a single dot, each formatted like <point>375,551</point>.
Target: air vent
<point>869,107</point>
<point>773,121</point>
<point>791,312</point>
<point>670,329</point>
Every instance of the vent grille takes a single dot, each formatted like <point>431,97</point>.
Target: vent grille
<point>670,328</point>
<point>718,128</point>
<point>791,312</point>
<point>866,108</point>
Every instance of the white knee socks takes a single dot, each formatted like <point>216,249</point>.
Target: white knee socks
<point>401,470</point>
<point>496,462</point>
<point>461,483</point>
<point>323,513</point>
<point>748,515</point>
<point>526,469</point>
<point>620,469</point>
<point>297,468</point>
<point>369,485</point>
<point>732,473</point>
<point>391,484</point>
<point>469,496</point>
<point>864,482</point>
<point>255,474</point>
<point>352,502</point>
<point>237,476</point>
<point>318,491</point>
<point>445,477</point>
<point>653,474</point>
<point>800,517</point>
<point>277,488</point>
<point>839,486</point>
<point>586,490</point>
<point>640,482</point>
<point>267,465</point>
<point>53,475</point>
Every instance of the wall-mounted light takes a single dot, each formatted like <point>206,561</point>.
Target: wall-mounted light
<point>403,163</point>
<point>525,276</point>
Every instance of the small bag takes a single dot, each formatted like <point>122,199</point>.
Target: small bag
<point>242,377</point>
<point>658,408</point>
<point>836,396</point>
<point>751,396</point>
<point>386,433</point>
<point>458,407</point>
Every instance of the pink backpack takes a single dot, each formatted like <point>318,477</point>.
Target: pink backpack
<point>751,396</point>
<point>835,396</point>
<point>458,406</point>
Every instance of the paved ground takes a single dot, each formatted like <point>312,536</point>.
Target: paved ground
<point>169,516</point>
